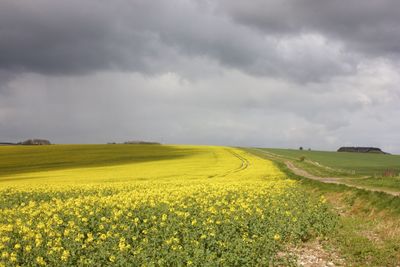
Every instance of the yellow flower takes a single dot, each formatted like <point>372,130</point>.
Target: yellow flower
<point>40,261</point>
<point>277,237</point>
<point>112,258</point>
<point>65,255</point>
<point>66,232</point>
<point>13,257</point>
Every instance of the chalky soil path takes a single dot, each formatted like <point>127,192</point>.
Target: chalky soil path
<point>334,180</point>
<point>330,180</point>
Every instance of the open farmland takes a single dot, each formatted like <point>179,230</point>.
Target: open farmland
<point>366,170</point>
<point>371,164</point>
<point>155,205</point>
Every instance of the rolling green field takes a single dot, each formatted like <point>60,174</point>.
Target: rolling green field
<point>358,163</point>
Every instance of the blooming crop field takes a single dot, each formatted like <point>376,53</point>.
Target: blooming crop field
<point>135,205</point>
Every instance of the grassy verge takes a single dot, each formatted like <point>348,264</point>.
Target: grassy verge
<point>368,233</point>
<point>358,164</point>
<point>388,183</point>
<point>302,160</point>
<point>367,170</point>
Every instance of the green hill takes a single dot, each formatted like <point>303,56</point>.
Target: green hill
<point>370,164</point>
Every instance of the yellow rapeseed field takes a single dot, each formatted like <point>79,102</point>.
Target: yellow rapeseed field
<point>132,205</point>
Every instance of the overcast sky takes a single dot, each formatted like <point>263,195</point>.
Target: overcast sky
<point>268,73</point>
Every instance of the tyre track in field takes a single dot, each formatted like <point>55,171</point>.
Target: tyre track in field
<point>245,162</point>
<point>243,166</point>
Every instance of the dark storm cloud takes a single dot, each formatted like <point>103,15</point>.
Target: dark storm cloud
<point>70,37</point>
<point>76,37</point>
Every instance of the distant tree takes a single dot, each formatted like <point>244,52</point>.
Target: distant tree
<point>309,149</point>
<point>301,148</point>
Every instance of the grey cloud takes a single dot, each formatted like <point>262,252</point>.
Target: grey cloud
<point>371,27</point>
<point>78,37</point>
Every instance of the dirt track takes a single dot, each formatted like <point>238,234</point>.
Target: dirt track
<point>334,180</point>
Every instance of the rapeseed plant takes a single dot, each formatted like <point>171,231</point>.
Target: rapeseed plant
<point>218,206</point>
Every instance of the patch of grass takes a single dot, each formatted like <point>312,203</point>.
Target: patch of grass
<point>304,163</point>
<point>390,183</point>
<point>344,162</point>
<point>378,201</point>
<point>359,236</point>
<point>374,171</point>
<point>360,246</point>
